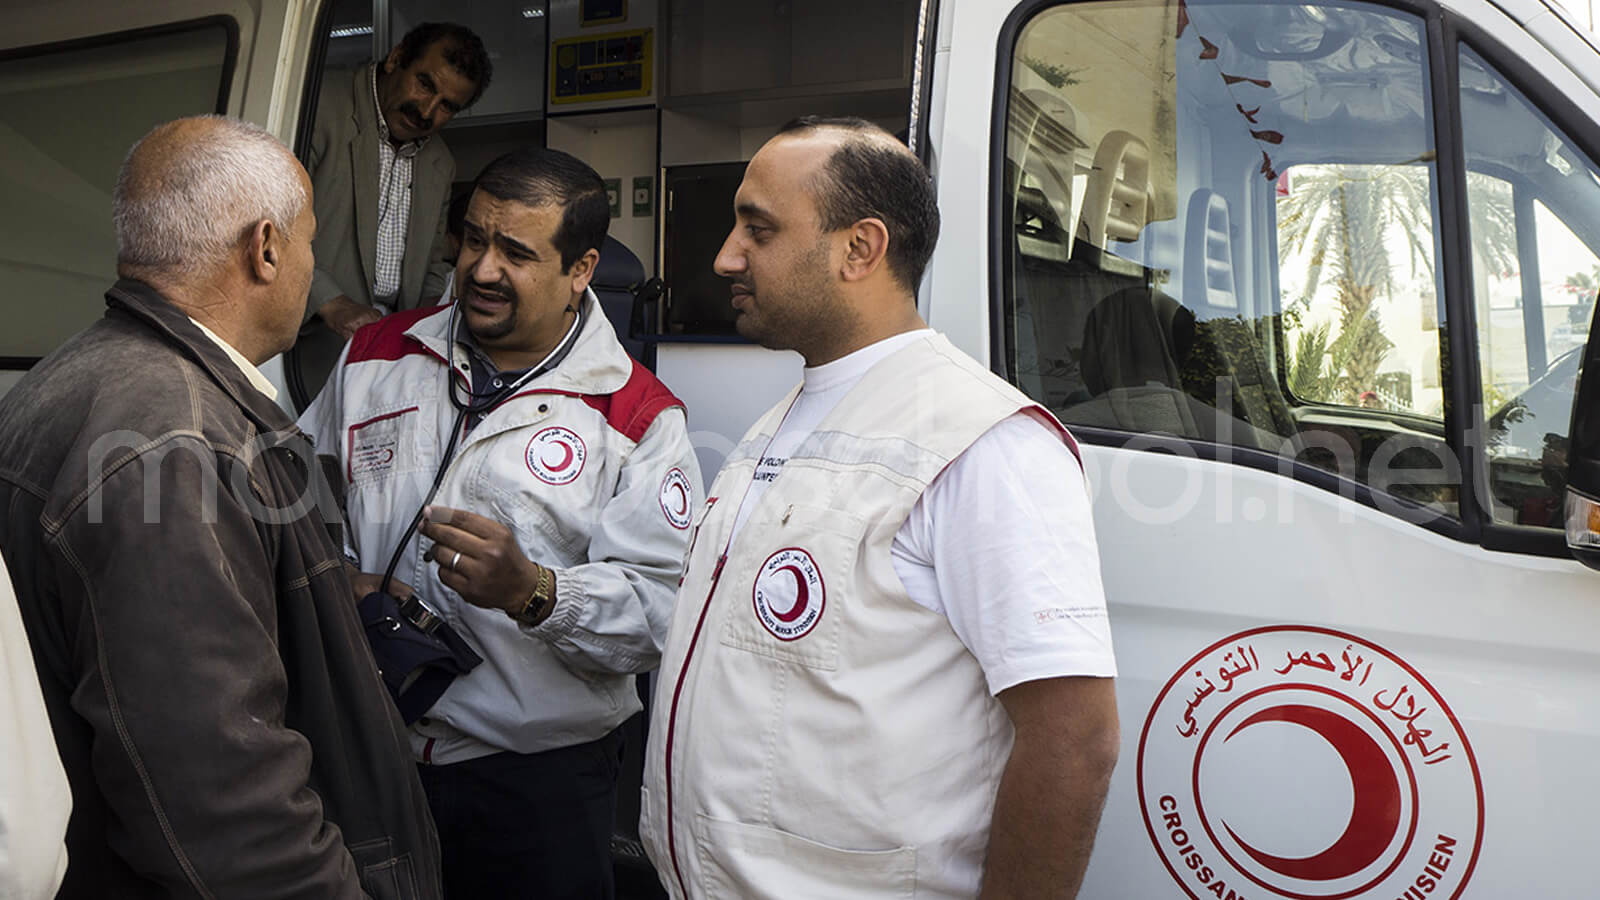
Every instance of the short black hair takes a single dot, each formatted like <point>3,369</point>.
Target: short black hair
<point>866,178</point>
<point>463,50</point>
<point>535,176</point>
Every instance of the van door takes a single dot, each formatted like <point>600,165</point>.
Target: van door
<point>82,82</point>
<point>1308,280</point>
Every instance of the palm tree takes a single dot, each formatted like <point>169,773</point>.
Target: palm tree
<point>1348,217</point>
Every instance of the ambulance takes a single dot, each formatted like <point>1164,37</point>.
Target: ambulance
<point>1311,281</point>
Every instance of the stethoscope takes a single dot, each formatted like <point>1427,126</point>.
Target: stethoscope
<point>480,404</point>
<point>477,404</point>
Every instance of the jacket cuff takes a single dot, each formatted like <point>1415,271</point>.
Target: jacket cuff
<point>570,599</point>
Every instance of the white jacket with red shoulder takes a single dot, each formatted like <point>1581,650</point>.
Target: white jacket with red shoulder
<point>590,466</point>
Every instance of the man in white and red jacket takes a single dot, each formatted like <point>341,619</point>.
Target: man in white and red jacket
<point>554,543</point>
<point>889,673</point>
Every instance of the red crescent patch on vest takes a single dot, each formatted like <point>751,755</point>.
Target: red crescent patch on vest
<point>789,595</point>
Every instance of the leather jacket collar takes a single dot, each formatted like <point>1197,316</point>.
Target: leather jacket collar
<point>145,304</point>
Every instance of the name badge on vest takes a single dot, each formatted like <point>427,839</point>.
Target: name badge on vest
<point>380,446</point>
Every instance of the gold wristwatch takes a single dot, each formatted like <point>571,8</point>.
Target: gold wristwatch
<point>544,593</point>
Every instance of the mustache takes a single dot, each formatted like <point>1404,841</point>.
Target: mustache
<point>414,111</point>
<point>498,290</point>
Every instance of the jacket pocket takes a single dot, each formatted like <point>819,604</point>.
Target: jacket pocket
<point>385,876</point>
<point>753,862</point>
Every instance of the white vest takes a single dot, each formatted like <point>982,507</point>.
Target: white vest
<point>816,733</point>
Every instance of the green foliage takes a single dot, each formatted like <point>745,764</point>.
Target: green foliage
<point>1309,376</point>
<point>1326,369</point>
<point>1053,75</point>
<point>1346,222</point>
<point>1345,215</point>
<point>1359,349</point>
<point>1493,221</point>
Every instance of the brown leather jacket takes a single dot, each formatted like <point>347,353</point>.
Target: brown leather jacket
<point>211,691</point>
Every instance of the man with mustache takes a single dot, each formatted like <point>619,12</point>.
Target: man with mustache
<point>382,177</point>
<point>553,544</point>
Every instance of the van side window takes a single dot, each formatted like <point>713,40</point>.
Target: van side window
<point>1222,228</point>
<point>1534,204</point>
<point>71,113</point>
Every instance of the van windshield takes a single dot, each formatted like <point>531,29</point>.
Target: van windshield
<point>1222,230</point>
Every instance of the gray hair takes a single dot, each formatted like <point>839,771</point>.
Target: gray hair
<point>182,204</point>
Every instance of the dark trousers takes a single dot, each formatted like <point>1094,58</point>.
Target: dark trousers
<point>528,827</point>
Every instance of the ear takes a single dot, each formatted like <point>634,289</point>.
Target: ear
<point>262,246</point>
<point>865,252</point>
<point>392,62</point>
<point>582,270</point>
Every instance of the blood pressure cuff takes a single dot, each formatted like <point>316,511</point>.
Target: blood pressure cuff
<point>417,665</point>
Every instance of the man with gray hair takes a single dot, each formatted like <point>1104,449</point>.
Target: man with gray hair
<point>222,724</point>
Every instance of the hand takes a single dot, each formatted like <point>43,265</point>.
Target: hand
<point>479,559</point>
<point>345,316</point>
<point>365,583</point>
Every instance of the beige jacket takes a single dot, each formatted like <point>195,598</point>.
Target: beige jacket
<point>344,176</point>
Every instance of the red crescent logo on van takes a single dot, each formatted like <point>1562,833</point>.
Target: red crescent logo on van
<point>789,595</point>
<point>1308,764</point>
<point>555,455</point>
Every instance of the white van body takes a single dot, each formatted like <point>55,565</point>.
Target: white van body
<point>1325,691</point>
<point>1201,557</point>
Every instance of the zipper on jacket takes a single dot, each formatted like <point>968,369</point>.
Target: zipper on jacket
<point>672,718</point>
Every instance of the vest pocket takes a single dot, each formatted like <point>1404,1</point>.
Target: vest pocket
<point>790,594</point>
<point>753,862</point>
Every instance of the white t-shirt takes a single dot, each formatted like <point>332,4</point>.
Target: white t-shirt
<point>1001,543</point>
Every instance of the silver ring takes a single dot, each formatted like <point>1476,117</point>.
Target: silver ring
<point>454,560</point>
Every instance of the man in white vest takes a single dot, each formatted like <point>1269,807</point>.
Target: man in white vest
<point>889,671</point>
